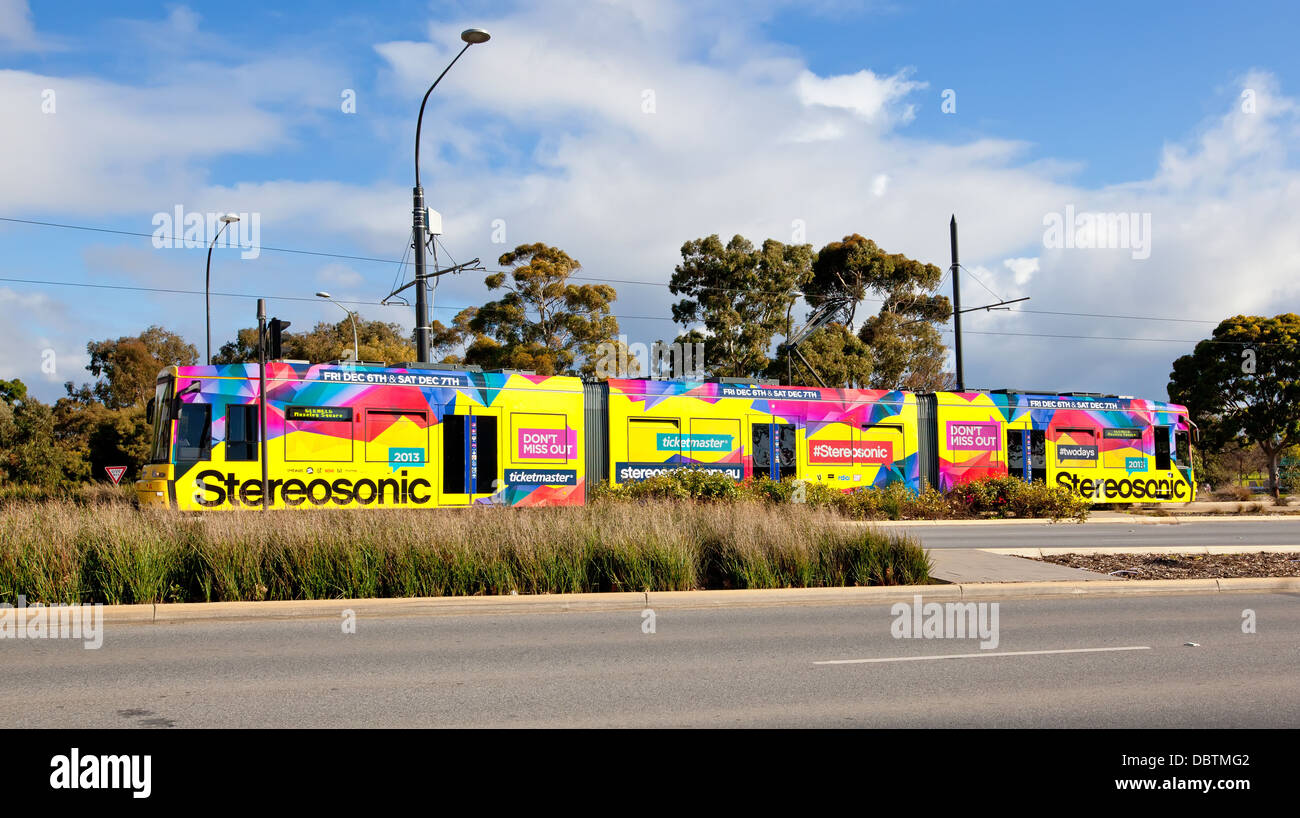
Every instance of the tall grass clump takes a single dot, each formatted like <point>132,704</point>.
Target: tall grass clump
<point>67,552</point>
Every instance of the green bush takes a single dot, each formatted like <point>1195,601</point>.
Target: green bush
<point>683,483</point>
<point>773,491</point>
<point>1013,497</point>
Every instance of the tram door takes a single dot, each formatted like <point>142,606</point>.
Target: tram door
<point>470,458</point>
<point>772,446</point>
<point>1027,454</point>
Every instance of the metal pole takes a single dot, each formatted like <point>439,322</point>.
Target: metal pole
<point>418,226</point>
<point>207,289</point>
<point>422,350</point>
<point>789,370</point>
<point>261,396</point>
<point>956,303</point>
<point>356,350</point>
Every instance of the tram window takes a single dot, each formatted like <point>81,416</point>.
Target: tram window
<point>162,423</point>
<point>761,448</point>
<point>1016,452</point>
<point>194,432</point>
<point>1182,448</point>
<point>1076,448</point>
<point>321,434</point>
<point>712,438</point>
<point>389,430</point>
<point>882,433</point>
<point>1120,446</point>
<point>540,438</point>
<point>653,440</point>
<point>454,466</point>
<point>486,448</point>
<point>787,458</point>
<point>1038,456</point>
<point>241,432</point>
<point>1162,448</point>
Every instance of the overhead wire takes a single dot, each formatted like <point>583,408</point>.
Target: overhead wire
<point>403,262</point>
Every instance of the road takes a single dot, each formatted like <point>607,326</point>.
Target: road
<point>1064,535</point>
<point>735,667</point>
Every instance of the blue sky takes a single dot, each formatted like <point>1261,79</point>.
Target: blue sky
<point>768,119</point>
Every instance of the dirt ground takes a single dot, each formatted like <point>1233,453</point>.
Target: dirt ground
<point>1184,566</point>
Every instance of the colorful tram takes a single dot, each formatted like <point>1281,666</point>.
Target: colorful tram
<point>341,435</point>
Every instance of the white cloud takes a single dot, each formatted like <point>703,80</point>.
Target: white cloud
<point>17,32</point>
<point>1022,269</point>
<point>38,347</point>
<point>122,149</point>
<point>865,94</point>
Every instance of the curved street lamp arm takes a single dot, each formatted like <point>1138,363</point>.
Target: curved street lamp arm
<point>207,290</point>
<point>420,120</point>
<point>356,351</point>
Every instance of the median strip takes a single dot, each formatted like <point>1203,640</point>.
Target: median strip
<point>661,600</point>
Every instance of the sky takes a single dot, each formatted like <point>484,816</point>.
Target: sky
<point>617,131</point>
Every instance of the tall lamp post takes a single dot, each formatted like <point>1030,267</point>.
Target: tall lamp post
<point>226,221</point>
<point>356,355</point>
<point>471,36</point>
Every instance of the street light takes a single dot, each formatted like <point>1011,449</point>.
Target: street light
<point>226,221</point>
<point>356,356</point>
<point>471,36</point>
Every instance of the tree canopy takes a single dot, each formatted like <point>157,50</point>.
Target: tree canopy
<point>741,294</point>
<point>127,368</point>
<point>542,321</point>
<point>1243,384</point>
<point>328,341</point>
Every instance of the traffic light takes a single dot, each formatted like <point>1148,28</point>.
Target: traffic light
<point>274,351</point>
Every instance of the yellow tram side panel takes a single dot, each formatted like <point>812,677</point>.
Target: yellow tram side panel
<point>532,416</point>
<point>1101,456</point>
<point>653,432</point>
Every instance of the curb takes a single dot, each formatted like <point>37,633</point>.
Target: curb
<point>1145,549</point>
<point>1012,521</point>
<point>603,602</point>
<point>1121,518</point>
<point>1218,518</point>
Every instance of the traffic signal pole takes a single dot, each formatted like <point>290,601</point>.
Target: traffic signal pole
<point>261,396</point>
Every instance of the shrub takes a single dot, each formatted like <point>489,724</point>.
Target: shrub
<point>1011,497</point>
<point>1232,492</point>
<point>683,483</point>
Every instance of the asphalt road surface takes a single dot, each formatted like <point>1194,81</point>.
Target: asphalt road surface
<point>740,667</point>
<point>1066,535</point>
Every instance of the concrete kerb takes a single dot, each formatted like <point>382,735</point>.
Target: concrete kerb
<point>1145,549</point>
<point>1111,518</point>
<point>558,603</point>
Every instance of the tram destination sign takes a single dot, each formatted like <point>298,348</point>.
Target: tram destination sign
<point>394,378</point>
<point>1086,404</point>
